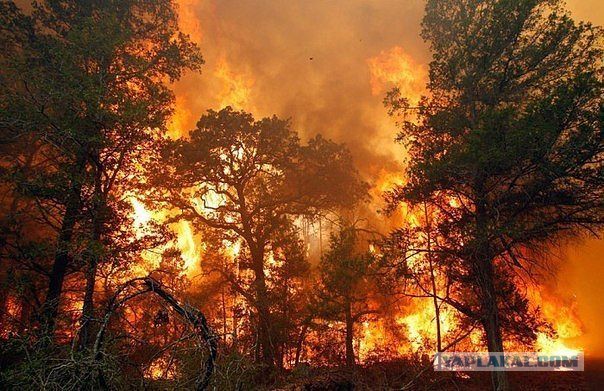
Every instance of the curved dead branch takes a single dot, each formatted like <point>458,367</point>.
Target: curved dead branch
<point>193,316</point>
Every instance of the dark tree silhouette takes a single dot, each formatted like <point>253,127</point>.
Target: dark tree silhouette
<point>85,82</point>
<point>247,180</point>
<point>346,286</point>
<point>508,147</point>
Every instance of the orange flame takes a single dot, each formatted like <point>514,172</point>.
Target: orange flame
<point>563,319</point>
<point>237,87</point>
<point>186,241</point>
<point>160,368</point>
<point>395,68</point>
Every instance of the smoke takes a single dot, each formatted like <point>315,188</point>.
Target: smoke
<point>307,60</point>
<point>580,281</point>
<point>327,65</point>
<point>580,274</point>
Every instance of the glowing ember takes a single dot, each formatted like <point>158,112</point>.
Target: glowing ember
<point>160,368</point>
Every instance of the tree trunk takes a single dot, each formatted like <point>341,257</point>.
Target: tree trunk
<point>350,361</point>
<point>86,321</point>
<point>93,257</point>
<point>235,313</point>
<point>267,351</point>
<point>492,326</point>
<point>433,279</point>
<point>224,317</point>
<point>485,276</point>
<point>300,344</point>
<point>50,308</point>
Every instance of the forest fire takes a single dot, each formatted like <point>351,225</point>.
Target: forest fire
<point>395,68</point>
<point>237,87</point>
<point>565,323</point>
<point>217,195</point>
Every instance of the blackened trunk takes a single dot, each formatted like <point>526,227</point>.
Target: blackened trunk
<point>59,267</point>
<point>92,258</point>
<point>267,349</point>
<point>491,324</point>
<point>499,379</point>
<point>264,334</point>
<point>50,307</point>
<point>235,313</point>
<point>433,279</point>
<point>485,276</point>
<point>87,319</point>
<point>224,317</point>
<point>349,336</point>
<point>300,344</point>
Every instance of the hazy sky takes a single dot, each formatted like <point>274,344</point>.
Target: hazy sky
<point>327,64</point>
<point>311,60</point>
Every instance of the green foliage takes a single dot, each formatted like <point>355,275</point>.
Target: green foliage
<point>29,365</point>
<point>507,149</point>
<point>347,284</point>
<point>83,96</point>
<point>244,181</point>
<point>345,274</point>
<point>238,372</point>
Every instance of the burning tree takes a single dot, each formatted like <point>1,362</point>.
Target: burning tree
<point>246,181</point>
<point>346,286</point>
<point>508,149</point>
<point>83,93</point>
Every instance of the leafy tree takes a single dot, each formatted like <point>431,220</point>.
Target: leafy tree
<point>287,275</point>
<point>345,284</point>
<point>84,82</point>
<point>508,146</point>
<point>247,181</point>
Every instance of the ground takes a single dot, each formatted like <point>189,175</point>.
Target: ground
<point>397,375</point>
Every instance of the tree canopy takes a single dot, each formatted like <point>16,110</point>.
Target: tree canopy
<point>508,146</point>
